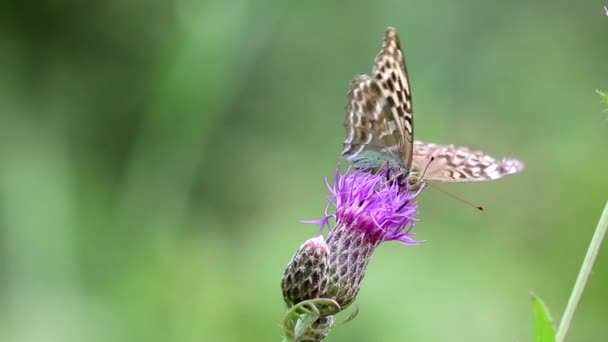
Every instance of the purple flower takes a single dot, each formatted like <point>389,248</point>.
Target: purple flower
<point>369,210</point>
<point>323,278</point>
<point>369,203</point>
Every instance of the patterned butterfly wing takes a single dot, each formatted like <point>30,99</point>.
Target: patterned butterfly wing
<point>372,138</point>
<point>380,128</point>
<point>390,74</point>
<point>379,112</point>
<point>460,164</point>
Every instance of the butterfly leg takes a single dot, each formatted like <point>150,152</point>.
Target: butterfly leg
<point>388,171</point>
<point>384,168</point>
<point>397,176</point>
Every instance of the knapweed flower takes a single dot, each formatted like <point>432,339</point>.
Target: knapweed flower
<point>369,209</point>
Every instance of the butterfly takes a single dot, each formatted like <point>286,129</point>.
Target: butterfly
<point>380,130</point>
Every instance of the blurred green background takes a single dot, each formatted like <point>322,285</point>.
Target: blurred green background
<point>156,158</point>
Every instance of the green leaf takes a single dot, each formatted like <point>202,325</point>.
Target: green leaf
<point>543,325</point>
<point>603,95</point>
<point>304,324</point>
<point>299,319</point>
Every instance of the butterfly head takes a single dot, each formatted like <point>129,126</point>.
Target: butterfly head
<point>416,179</point>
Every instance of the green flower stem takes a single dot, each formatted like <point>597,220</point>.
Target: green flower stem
<point>300,318</point>
<point>583,275</point>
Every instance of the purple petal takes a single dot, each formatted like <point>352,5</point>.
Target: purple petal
<point>368,201</point>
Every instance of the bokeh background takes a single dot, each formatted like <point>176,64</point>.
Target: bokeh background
<point>156,158</point>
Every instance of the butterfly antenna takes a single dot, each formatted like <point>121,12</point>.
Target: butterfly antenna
<point>426,167</point>
<point>457,197</point>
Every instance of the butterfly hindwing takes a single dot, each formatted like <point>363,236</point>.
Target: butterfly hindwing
<point>460,164</point>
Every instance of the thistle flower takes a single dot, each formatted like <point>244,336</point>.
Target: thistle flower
<point>324,278</point>
<point>369,211</point>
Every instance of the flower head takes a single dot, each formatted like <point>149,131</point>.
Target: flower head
<point>305,276</point>
<point>324,278</point>
<point>370,209</point>
<point>384,209</point>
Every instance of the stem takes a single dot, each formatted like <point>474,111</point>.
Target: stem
<point>583,275</point>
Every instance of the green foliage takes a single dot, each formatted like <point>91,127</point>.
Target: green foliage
<point>543,324</point>
<point>299,319</point>
<point>604,98</point>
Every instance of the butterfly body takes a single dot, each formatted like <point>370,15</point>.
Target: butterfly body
<point>380,130</point>
<point>375,161</point>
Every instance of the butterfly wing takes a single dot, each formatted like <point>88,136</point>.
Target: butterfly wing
<point>460,164</point>
<point>372,138</point>
<point>390,74</point>
<point>379,118</point>
<point>380,128</point>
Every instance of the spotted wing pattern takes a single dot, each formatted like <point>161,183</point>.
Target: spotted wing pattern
<point>379,114</point>
<point>380,128</point>
<point>391,75</point>
<point>368,123</point>
<point>460,164</point>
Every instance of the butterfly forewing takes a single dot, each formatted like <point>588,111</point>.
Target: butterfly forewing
<point>379,112</point>
<point>460,164</point>
<point>391,75</point>
<point>364,122</point>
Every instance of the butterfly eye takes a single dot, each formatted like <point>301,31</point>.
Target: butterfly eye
<point>413,180</point>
